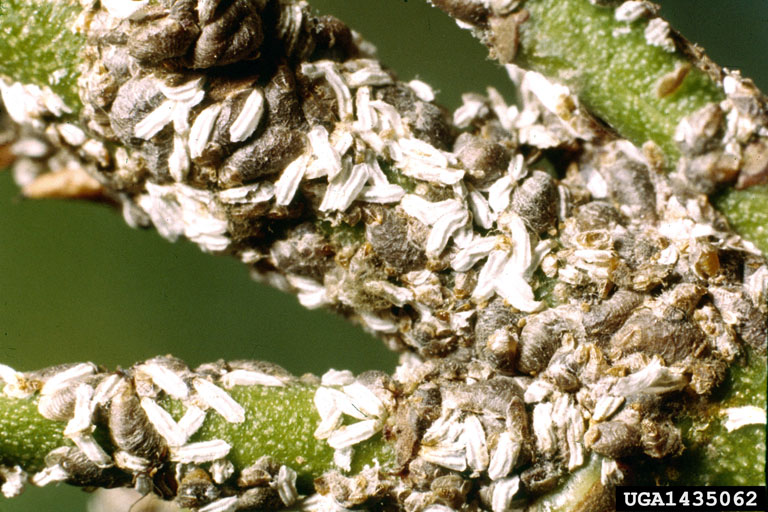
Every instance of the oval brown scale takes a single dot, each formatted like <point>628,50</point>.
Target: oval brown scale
<point>131,430</point>
<point>614,439</point>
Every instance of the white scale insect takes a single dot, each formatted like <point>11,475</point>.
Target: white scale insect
<point>250,378</point>
<point>543,428</point>
<point>311,294</point>
<point>346,436</point>
<point>201,452</point>
<point>476,444</point>
<point>632,10</point>
<point>443,442</point>
<point>124,9</point>
<point>337,378</point>
<point>250,116</point>
<point>657,33</point>
<point>164,423</point>
<point>26,104</point>
<point>363,72</point>
<point>83,410</point>
<point>201,130</point>
<point>219,400</point>
<point>504,456</point>
<point>356,401</point>
<point>606,406</point>
<point>654,378</point>
<point>179,209</point>
<point>133,463</point>
<point>51,474</point>
<point>13,382</point>
<point>91,449</point>
<point>503,493</point>
<point>63,378</point>
<point>377,323</point>
<point>329,70</point>
<point>286,485</point>
<point>221,470</point>
<point>436,507</point>
<point>166,379</point>
<point>445,217</point>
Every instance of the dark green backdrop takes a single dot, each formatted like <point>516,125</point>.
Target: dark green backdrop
<point>77,284</point>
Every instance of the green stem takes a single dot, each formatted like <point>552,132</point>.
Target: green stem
<point>280,422</point>
<point>39,45</point>
<point>641,90</point>
<point>25,435</point>
<point>613,70</point>
<point>747,212</point>
<point>616,74</point>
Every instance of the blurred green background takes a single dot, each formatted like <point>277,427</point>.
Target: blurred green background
<point>77,284</point>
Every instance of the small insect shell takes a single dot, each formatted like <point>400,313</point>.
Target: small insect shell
<point>135,100</point>
<point>196,489</point>
<point>660,438</point>
<point>541,477</point>
<point>670,334</point>
<point>451,489</point>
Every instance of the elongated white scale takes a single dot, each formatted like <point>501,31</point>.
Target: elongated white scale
<point>203,451</point>
<point>219,400</point>
<point>248,119</point>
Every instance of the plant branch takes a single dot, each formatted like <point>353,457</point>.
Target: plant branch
<point>554,295</point>
<point>629,68</point>
<point>147,425</point>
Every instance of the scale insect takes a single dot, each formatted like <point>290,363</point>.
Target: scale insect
<point>543,312</point>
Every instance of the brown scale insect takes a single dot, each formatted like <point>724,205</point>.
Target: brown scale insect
<point>667,330</point>
<point>484,160</point>
<point>82,472</point>
<point>397,240</point>
<point>162,36</point>
<point>59,405</point>
<point>474,13</point>
<point>259,498</point>
<point>746,319</point>
<point>536,200</point>
<point>428,121</point>
<point>266,155</point>
<point>231,34</point>
<point>541,337</point>
<point>412,417</point>
<point>352,491</point>
<point>629,183</point>
<point>493,321</point>
<point>131,430</point>
<point>613,439</point>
